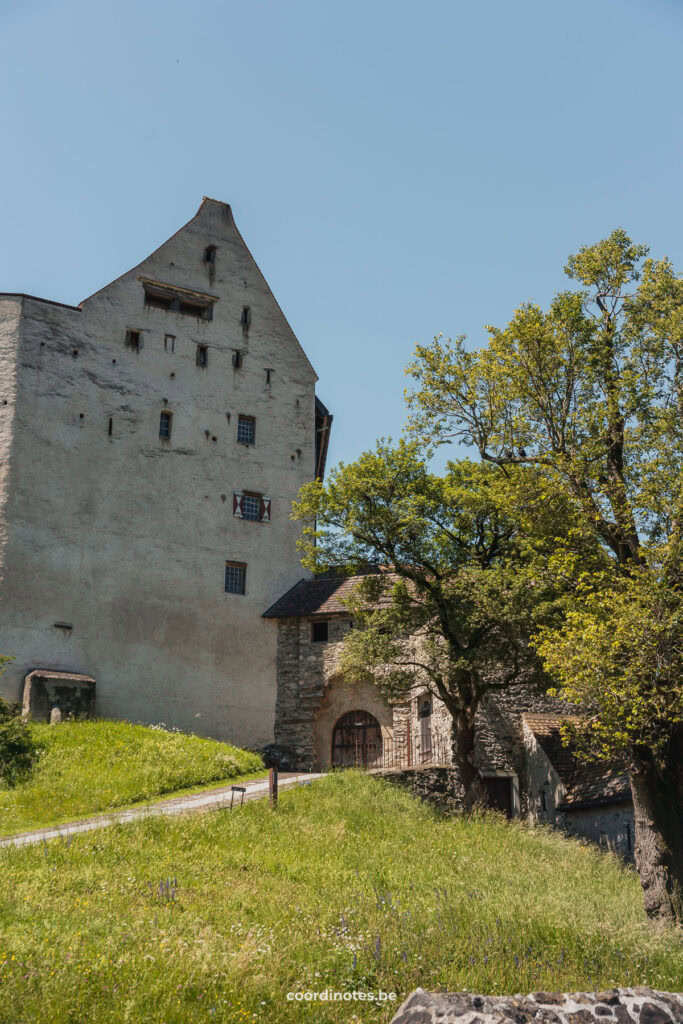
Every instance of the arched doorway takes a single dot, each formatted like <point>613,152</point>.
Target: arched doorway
<point>357,740</point>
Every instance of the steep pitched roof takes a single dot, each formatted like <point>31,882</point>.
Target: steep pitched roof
<point>324,595</point>
<point>588,784</point>
<point>546,729</point>
<point>602,782</point>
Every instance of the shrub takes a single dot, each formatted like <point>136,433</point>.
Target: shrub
<point>19,748</point>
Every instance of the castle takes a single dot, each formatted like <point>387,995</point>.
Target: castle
<point>152,440</point>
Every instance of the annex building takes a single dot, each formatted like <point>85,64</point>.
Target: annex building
<point>152,440</point>
<point>524,768</point>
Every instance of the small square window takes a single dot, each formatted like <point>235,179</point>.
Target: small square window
<point>169,343</point>
<point>319,632</point>
<point>133,340</point>
<point>202,355</point>
<point>235,577</point>
<point>246,429</point>
<point>165,425</point>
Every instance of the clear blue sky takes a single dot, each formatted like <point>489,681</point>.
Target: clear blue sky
<point>398,169</point>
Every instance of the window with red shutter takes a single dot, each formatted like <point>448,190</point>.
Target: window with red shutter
<point>251,506</point>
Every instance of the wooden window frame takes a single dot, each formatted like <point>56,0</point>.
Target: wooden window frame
<point>251,420</point>
<point>240,576</point>
<point>264,506</point>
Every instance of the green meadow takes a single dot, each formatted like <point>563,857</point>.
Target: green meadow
<point>349,884</point>
<point>87,767</point>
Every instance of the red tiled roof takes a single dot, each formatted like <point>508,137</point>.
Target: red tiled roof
<point>600,782</point>
<point>588,783</point>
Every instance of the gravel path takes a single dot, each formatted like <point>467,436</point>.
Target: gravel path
<point>208,799</point>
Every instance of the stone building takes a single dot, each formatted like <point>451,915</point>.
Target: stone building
<point>524,768</point>
<point>152,440</point>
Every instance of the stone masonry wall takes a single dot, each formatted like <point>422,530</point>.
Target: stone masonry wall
<point>310,687</point>
<point>438,785</point>
<point>612,827</point>
<point>637,1005</point>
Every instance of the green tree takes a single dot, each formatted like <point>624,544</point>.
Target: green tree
<point>456,590</point>
<point>591,392</point>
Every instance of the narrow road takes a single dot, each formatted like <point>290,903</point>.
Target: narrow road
<point>208,799</point>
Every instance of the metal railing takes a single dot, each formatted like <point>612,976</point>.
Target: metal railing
<point>405,752</point>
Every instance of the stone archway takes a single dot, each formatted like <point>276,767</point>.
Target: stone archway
<point>356,740</point>
<point>340,698</point>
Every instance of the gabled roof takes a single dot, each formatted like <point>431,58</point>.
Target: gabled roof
<point>546,729</point>
<point>587,783</point>
<point>324,595</point>
<point>602,782</point>
<point>206,204</point>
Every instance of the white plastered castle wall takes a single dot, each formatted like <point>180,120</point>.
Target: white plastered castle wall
<point>125,536</point>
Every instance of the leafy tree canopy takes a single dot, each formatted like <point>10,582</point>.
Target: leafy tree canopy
<point>457,583</point>
<point>591,390</point>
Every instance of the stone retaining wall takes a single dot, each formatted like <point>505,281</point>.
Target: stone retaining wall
<point>437,784</point>
<point>638,1005</point>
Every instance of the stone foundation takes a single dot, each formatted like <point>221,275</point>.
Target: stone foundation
<point>638,1005</point>
<point>436,784</point>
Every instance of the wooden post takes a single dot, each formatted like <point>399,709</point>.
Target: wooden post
<point>272,786</point>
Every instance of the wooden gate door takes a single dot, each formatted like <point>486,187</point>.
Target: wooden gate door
<point>357,740</point>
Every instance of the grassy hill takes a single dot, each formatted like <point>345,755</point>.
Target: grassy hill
<point>87,767</point>
<point>350,884</point>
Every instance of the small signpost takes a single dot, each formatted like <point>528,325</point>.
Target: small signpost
<point>272,786</point>
<point>237,789</point>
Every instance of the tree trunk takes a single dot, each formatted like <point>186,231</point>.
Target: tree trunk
<point>463,757</point>
<point>657,788</point>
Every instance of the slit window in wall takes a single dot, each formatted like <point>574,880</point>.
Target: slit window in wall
<point>236,359</point>
<point>235,577</point>
<point>245,319</point>
<point>246,429</point>
<point>169,343</point>
<point>319,632</point>
<point>252,506</point>
<point>202,356</point>
<point>134,340</point>
<point>165,422</point>
<point>110,428</point>
<point>269,376</point>
<point>210,254</point>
